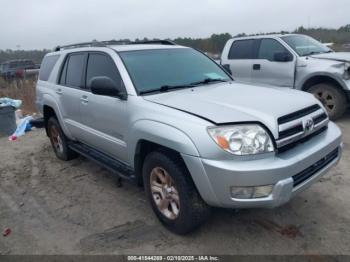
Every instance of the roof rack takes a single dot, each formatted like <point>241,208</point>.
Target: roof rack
<point>113,42</point>
<point>154,42</point>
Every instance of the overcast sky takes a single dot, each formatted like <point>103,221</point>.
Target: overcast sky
<point>37,24</point>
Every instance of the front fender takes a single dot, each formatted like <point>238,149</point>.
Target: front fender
<point>334,76</point>
<point>159,133</point>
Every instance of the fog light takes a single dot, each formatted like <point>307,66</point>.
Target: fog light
<point>262,191</point>
<point>251,192</point>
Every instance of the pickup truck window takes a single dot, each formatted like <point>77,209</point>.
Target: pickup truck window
<point>101,65</point>
<point>154,69</point>
<point>242,49</point>
<point>305,45</point>
<point>268,48</point>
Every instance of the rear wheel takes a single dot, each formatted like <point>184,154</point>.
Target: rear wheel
<point>333,99</point>
<point>59,141</point>
<point>172,193</point>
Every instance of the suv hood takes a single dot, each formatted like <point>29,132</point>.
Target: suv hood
<point>236,102</point>
<point>337,56</point>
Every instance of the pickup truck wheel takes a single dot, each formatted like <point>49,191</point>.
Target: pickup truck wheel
<point>59,141</point>
<point>172,193</point>
<point>333,99</point>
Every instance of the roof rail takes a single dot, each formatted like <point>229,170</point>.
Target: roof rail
<point>154,42</point>
<point>113,42</point>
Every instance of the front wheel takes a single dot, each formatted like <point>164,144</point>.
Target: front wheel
<point>172,193</point>
<point>59,141</point>
<point>333,99</point>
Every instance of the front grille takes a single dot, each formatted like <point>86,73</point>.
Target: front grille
<point>302,140</point>
<point>300,126</point>
<point>312,170</point>
<point>298,114</point>
<point>292,131</point>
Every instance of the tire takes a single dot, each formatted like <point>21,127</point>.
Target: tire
<point>332,98</point>
<point>59,141</point>
<point>192,211</point>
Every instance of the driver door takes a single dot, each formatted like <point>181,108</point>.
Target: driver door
<point>104,117</point>
<point>267,69</point>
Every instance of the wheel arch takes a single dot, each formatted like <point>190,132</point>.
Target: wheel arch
<point>148,136</point>
<point>321,78</point>
<point>51,108</point>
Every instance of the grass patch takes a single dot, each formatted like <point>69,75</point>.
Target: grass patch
<point>20,89</point>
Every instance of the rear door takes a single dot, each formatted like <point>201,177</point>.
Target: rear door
<point>69,90</point>
<point>239,59</point>
<point>104,118</point>
<point>265,68</point>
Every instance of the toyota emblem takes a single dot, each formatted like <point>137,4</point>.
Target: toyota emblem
<point>308,125</point>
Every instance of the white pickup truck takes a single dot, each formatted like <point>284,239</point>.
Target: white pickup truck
<point>294,61</point>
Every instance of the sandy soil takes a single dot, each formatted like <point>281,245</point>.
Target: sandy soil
<point>55,207</point>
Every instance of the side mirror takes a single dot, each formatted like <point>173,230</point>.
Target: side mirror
<point>105,86</point>
<point>282,57</point>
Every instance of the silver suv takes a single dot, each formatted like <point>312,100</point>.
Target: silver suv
<point>172,120</point>
<point>295,61</point>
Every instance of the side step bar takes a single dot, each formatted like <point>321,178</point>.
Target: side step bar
<point>111,164</point>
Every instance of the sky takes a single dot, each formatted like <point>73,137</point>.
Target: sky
<point>38,24</point>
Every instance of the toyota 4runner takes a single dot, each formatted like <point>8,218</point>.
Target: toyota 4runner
<point>172,120</point>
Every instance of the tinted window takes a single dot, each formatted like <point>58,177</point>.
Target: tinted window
<point>101,65</point>
<point>63,73</point>
<point>153,69</point>
<point>75,70</point>
<point>268,48</point>
<point>242,49</point>
<point>46,67</point>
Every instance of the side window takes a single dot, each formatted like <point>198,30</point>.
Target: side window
<point>268,48</point>
<point>242,49</point>
<point>62,80</point>
<point>46,67</point>
<point>75,70</point>
<point>101,65</point>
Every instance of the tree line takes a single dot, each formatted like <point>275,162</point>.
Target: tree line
<point>213,44</point>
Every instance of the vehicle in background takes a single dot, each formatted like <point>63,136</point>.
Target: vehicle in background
<point>294,61</point>
<point>171,119</point>
<point>23,68</point>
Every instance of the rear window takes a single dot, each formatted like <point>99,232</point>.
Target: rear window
<point>46,67</point>
<point>242,49</point>
<point>75,70</point>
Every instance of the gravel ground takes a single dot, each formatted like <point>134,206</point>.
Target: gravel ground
<point>76,207</point>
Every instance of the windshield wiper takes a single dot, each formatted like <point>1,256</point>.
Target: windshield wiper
<point>208,81</point>
<point>316,53</point>
<point>166,88</point>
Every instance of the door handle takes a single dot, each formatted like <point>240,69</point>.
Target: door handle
<point>256,67</point>
<point>59,91</point>
<point>84,99</point>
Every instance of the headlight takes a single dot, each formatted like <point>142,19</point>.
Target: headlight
<point>249,139</point>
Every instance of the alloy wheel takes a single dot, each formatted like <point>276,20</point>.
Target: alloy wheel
<point>165,193</point>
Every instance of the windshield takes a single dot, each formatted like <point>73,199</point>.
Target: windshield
<point>305,45</point>
<point>152,70</point>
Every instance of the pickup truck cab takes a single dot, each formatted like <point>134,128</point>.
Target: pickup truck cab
<point>170,119</point>
<point>292,61</point>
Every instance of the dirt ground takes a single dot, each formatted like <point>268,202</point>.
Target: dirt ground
<point>55,207</point>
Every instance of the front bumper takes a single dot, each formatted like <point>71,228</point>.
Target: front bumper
<point>214,178</point>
